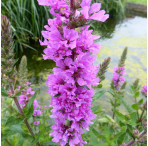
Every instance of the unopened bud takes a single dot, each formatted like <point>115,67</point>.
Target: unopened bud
<point>142,140</point>
<point>135,132</point>
<point>145,124</point>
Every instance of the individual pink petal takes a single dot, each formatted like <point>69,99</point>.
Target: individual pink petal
<point>100,16</point>
<point>85,3</point>
<point>95,8</point>
<point>44,2</point>
<point>84,12</point>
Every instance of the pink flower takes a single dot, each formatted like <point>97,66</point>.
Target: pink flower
<point>93,12</point>
<point>58,7</point>
<point>144,90</point>
<point>44,2</point>
<point>28,83</point>
<point>36,122</point>
<point>70,45</point>
<point>24,99</point>
<point>37,113</point>
<point>118,76</point>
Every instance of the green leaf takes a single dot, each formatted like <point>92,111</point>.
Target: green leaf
<point>18,94</point>
<point>57,95</point>
<point>36,139</point>
<point>106,119</point>
<point>13,121</point>
<point>140,101</point>
<point>98,95</point>
<point>93,139</point>
<point>29,106</point>
<point>137,94</point>
<point>120,116</point>
<point>107,133</point>
<point>96,133</point>
<point>86,87</point>
<point>131,90</point>
<point>50,143</point>
<point>121,138</point>
<point>8,133</point>
<point>27,136</point>
<point>110,119</point>
<point>16,128</point>
<point>99,86</point>
<point>132,119</point>
<point>128,107</point>
<point>9,101</point>
<point>4,92</point>
<point>135,106</point>
<point>95,109</point>
<point>103,120</point>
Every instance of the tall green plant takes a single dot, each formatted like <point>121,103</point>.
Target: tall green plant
<point>25,17</point>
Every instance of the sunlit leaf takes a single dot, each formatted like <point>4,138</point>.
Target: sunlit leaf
<point>13,121</point>
<point>98,95</point>
<point>4,92</point>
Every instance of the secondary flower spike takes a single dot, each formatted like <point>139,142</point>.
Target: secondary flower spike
<point>24,99</point>
<point>70,43</point>
<point>118,76</point>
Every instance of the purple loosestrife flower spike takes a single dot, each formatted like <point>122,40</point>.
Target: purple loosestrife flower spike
<point>24,99</point>
<point>70,44</point>
<point>118,76</point>
<point>118,80</point>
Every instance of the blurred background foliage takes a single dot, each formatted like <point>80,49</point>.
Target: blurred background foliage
<point>27,20</point>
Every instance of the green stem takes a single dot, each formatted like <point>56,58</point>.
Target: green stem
<point>142,113</point>
<point>114,109</point>
<point>137,110</point>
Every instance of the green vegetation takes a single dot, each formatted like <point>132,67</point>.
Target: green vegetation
<point>138,1</point>
<point>25,18</point>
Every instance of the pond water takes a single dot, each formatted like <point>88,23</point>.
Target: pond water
<point>131,33</point>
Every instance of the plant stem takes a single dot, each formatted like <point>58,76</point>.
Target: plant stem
<point>72,5</point>
<point>142,112</point>
<point>133,141</point>
<point>114,109</point>
<point>21,112</point>
<point>137,110</point>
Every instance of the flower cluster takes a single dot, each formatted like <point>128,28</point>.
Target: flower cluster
<point>118,76</point>
<point>144,90</point>
<point>24,99</point>
<point>70,44</point>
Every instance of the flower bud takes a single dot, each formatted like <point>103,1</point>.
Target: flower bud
<point>142,140</point>
<point>135,132</point>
